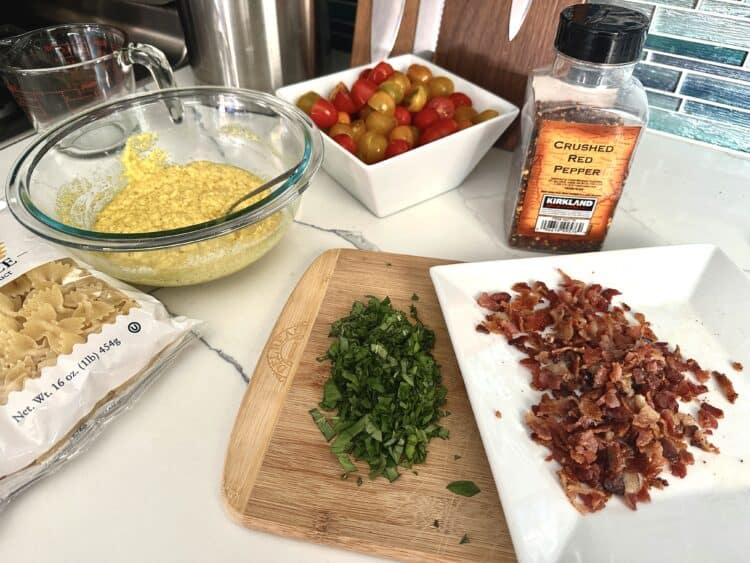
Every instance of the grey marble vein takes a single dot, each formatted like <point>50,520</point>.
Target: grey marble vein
<point>355,238</point>
<point>228,358</point>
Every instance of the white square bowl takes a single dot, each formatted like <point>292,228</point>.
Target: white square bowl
<point>425,172</point>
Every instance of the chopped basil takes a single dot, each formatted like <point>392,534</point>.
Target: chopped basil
<point>463,488</point>
<point>325,427</point>
<point>385,385</point>
<point>436,523</point>
<point>456,457</point>
<point>464,539</point>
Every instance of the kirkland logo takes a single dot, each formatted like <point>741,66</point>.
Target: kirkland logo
<point>571,203</point>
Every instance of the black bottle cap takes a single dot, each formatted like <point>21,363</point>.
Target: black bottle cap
<point>601,33</point>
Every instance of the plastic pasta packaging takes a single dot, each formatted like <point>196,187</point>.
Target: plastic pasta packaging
<point>76,348</point>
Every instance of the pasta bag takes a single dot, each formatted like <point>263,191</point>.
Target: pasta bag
<point>76,348</point>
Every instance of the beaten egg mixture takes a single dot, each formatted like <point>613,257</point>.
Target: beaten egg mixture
<point>158,195</point>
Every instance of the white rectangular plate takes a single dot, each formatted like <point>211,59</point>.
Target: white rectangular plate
<point>695,297</point>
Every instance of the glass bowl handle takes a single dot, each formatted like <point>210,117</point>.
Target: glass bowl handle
<point>156,63</point>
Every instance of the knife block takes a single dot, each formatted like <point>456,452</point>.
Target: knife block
<point>474,44</point>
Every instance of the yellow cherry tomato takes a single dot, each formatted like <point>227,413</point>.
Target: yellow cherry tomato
<point>380,122</point>
<point>416,99</point>
<point>306,101</point>
<point>440,86</point>
<point>419,74</point>
<point>358,127</point>
<point>403,133</point>
<point>485,115</point>
<point>341,129</point>
<point>381,102</point>
<point>371,147</point>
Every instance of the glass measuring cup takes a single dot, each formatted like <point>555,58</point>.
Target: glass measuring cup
<point>57,71</point>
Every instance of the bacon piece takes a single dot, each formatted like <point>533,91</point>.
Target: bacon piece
<point>715,411</point>
<point>725,384</point>
<point>609,412</point>
<point>737,366</point>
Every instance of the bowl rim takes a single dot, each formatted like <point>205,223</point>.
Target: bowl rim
<point>41,224</point>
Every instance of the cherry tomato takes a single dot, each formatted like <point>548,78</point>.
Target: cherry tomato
<point>485,115</point>
<point>460,99</point>
<point>347,142</point>
<point>306,101</point>
<point>465,113</point>
<point>381,72</point>
<point>342,99</point>
<point>464,123</point>
<point>419,74</point>
<point>416,99</point>
<point>402,115</point>
<point>371,147</point>
<point>341,129</point>
<point>362,89</point>
<point>380,122</point>
<point>393,89</point>
<point>358,127</point>
<point>365,73</point>
<point>439,129</point>
<point>401,79</point>
<point>396,147</point>
<point>382,102</point>
<point>425,118</point>
<point>442,105</point>
<point>403,133</point>
<point>440,86</point>
<point>343,117</point>
<point>323,113</point>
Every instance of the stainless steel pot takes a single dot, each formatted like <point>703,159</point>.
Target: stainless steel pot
<point>256,44</point>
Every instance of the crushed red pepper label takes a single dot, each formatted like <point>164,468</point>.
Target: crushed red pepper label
<point>576,179</point>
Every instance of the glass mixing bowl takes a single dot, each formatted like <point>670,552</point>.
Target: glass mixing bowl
<point>61,182</point>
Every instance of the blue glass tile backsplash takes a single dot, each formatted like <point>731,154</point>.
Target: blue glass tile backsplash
<point>696,69</point>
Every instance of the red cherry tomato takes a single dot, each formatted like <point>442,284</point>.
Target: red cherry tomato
<point>362,89</point>
<point>424,118</point>
<point>396,147</point>
<point>443,106</point>
<point>323,113</point>
<point>402,115</point>
<point>439,129</point>
<point>365,73</point>
<point>342,99</point>
<point>460,99</point>
<point>381,72</point>
<point>347,142</point>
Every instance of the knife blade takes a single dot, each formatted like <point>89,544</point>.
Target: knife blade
<point>519,9</point>
<point>386,21</point>
<point>428,27</point>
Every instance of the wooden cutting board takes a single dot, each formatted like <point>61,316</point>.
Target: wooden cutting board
<point>280,476</point>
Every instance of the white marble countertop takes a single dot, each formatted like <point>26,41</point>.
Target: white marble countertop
<point>149,487</point>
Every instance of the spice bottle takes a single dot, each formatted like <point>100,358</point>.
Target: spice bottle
<point>580,126</point>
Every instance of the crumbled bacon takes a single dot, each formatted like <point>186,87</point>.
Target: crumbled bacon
<point>610,409</point>
<point>737,366</point>
<point>725,384</point>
